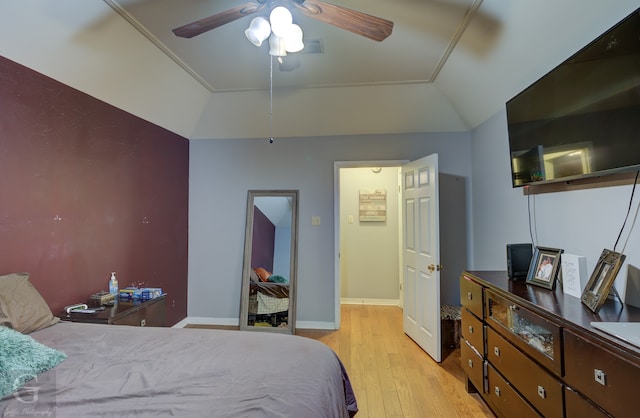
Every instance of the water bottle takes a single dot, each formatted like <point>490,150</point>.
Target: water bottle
<point>113,285</point>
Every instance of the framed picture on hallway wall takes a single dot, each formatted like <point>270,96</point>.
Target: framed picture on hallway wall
<point>373,205</point>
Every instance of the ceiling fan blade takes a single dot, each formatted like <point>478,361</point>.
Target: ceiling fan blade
<point>354,21</point>
<point>206,24</point>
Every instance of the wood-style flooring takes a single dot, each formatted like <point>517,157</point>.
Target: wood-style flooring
<point>391,376</point>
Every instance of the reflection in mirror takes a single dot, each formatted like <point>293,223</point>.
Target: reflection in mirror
<point>549,163</point>
<point>270,261</point>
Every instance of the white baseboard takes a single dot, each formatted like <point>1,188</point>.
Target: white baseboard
<point>201,320</point>
<point>198,320</point>
<point>381,302</point>
<point>182,323</point>
<point>315,325</point>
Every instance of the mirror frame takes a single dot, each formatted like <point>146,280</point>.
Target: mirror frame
<point>293,264</point>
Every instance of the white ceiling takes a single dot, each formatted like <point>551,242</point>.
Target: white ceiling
<point>420,79</point>
<point>222,59</point>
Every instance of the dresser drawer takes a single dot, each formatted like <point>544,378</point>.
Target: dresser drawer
<point>577,406</point>
<point>534,383</point>
<point>472,331</point>
<point>473,365</point>
<point>535,335</point>
<point>601,376</point>
<point>505,400</point>
<point>152,314</point>
<point>471,296</point>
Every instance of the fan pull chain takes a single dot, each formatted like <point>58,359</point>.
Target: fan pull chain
<point>271,100</point>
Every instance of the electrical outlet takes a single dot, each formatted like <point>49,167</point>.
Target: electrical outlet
<point>315,220</point>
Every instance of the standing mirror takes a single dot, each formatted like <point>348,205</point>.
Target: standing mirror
<point>270,264</point>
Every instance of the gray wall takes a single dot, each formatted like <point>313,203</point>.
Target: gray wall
<point>581,222</point>
<point>221,172</point>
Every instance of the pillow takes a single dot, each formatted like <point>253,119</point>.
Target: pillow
<point>21,305</point>
<point>274,278</point>
<point>263,274</point>
<point>22,358</point>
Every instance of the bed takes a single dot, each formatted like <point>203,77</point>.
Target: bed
<point>268,299</point>
<point>114,370</point>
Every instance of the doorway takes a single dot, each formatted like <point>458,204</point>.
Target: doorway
<point>369,230</point>
<point>453,242</point>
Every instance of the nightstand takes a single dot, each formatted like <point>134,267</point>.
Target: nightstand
<point>149,313</point>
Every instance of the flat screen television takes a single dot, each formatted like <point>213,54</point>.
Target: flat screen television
<point>582,119</point>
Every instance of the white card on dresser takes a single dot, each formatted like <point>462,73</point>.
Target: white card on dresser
<point>574,274</point>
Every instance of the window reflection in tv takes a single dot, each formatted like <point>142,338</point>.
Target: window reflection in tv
<point>583,117</point>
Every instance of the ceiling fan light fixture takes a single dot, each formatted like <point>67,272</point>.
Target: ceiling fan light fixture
<point>281,19</point>
<point>258,31</point>
<point>277,46</point>
<point>293,40</point>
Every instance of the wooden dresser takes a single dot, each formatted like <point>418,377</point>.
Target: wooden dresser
<point>531,352</point>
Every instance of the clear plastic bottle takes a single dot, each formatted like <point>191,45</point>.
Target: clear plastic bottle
<point>113,284</point>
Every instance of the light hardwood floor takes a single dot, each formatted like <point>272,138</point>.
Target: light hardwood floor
<point>391,376</point>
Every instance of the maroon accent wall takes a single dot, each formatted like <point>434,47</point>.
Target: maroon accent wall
<point>86,189</point>
<point>263,241</point>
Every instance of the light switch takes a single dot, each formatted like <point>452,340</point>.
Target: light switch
<point>315,220</point>
<point>350,219</point>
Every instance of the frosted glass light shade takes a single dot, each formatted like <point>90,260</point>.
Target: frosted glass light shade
<point>277,46</point>
<point>258,30</point>
<point>281,19</point>
<point>293,40</point>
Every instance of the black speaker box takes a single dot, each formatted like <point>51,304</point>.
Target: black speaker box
<point>518,260</point>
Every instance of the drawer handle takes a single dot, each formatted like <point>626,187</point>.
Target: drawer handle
<point>469,295</point>
<point>496,390</point>
<point>470,329</point>
<point>541,392</point>
<point>470,362</point>
<point>600,376</point>
<point>496,351</point>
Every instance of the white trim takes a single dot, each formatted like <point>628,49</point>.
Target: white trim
<point>337,165</point>
<point>199,320</point>
<point>315,325</point>
<point>144,31</point>
<point>182,323</point>
<point>379,302</point>
<point>400,238</point>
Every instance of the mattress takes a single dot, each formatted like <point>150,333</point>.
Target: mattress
<point>268,298</point>
<point>186,372</point>
<point>267,304</point>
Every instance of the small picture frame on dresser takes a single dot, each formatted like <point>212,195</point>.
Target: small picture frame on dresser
<point>544,267</point>
<point>601,280</point>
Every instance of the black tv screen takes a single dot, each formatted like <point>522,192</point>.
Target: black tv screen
<point>581,119</point>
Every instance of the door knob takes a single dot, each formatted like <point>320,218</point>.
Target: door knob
<point>433,267</point>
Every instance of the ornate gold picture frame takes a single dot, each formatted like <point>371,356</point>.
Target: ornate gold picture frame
<point>601,280</point>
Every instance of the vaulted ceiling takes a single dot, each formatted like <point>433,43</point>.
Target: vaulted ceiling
<point>222,59</point>
<point>447,66</point>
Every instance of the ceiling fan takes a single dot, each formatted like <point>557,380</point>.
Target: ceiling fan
<point>341,17</point>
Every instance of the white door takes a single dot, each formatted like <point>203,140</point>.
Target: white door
<point>421,254</point>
